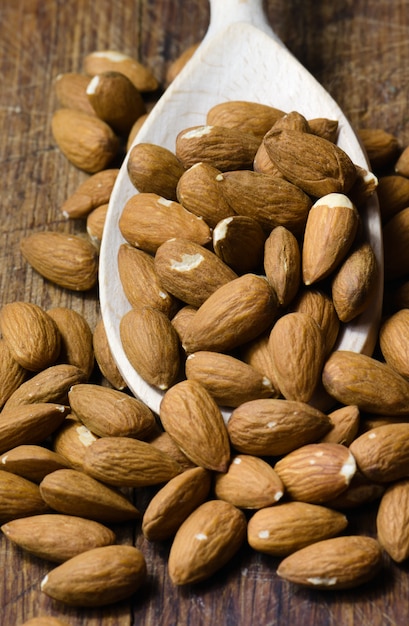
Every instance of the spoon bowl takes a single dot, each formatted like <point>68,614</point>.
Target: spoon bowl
<point>240,58</point>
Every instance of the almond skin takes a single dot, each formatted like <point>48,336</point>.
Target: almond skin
<point>71,440</point>
<point>249,117</point>
<point>31,335</point>
<point>382,453</point>
<point>205,542</point>
<point>188,407</point>
<point>76,339</point>
<point>71,91</point>
<point>319,305</point>
<point>56,537</point>
<point>97,577</point>
<point>392,521</point>
<point>69,261</point>
<point>337,563</point>
<point>174,502</point>
<point>19,497</point>
<point>282,264</point>
<point>29,423</point>
<point>72,492</point>
<point>93,192</point>
<point>233,315</point>
<point>393,338</point>
<point>239,241</point>
<point>373,386</point>
<point>154,169</point>
<point>281,530</point>
<point>32,462</point>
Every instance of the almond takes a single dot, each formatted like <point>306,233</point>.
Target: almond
<point>360,491</point>
<point>373,386</point>
<point>200,190</point>
<point>206,541</point>
<point>396,245</point>
<point>392,521</point>
<point>381,147</point>
<point>382,454</point>
<point>316,472</point>
<point>393,195</point>
<point>257,354</point>
<point>182,318</point>
<point>32,461</point>
<point>71,91</point>
<point>76,339</point>
<point>50,385</point>
<point>154,169</point>
<point>233,315</point>
<point>174,502</point>
<point>152,345</point>
<point>337,563</point>
<point>72,492</point>
<point>95,224</point>
<point>331,227</point>
<point>324,127</point>
<point>29,423</point>
<point>69,261</point>
<point>31,335</point>
<point>230,381</point>
<point>224,148</point>
<point>314,164</point>
<point>117,61</point>
<point>282,264</point>
<point>140,280</point>
<point>187,407</point>
<point>249,117</point>
<point>164,442</point>
<point>12,374</point>
<point>19,497</point>
<point>148,220</point>
<point>85,140</point>
<point>189,271</point>
<point>97,577</point>
<point>111,413</point>
<point>345,425</point>
<point>297,348</point>
<point>57,537</point>
<point>93,192</point>
<point>104,358</point>
<point>364,187</point>
<point>115,100</point>
<point>292,120</point>
<point>318,304</point>
<point>71,441</point>
<point>402,163</point>
<point>393,339</point>
<point>272,427</point>
<point>249,483</point>
<point>283,529</point>
<point>126,462</point>
<point>355,282</point>
<point>239,241</point>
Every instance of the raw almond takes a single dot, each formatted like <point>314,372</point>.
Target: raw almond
<point>331,227</point>
<point>297,347</point>
<point>70,261</point>
<point>393,339</point>
<point>164,442</point>
<point>396,245</point>
<point>239,241</point>
<point>71,441</point>
<point>97,577</point>
<point>314,164</point>
<point>76,339</point>
<point>182,318</point>
<point>281,530</point>
<point>187,407</point>
<point>316,472</point>
<point>249,117</point>
<point>57,537</point>
<point>111,413</point>
<point>382,454</point>
<point>71,91</point>
<point>126,462</point>
<point>249,483</point>
<point>90,194</point>
<point>154,169</point>
<point>373,386</point>
<point>12,374</point>
<point>345,425</point>
<point>85,140</point>
<point>393,195</point>
<point>337,563</point>
<point>152,345</point>
<point>96,223</point>
<point>360,491</point>
<point>104,358</point>
<point>148,220</point>
<point>32,461</point>
<point>140,280</point>
<point>50,385</point>
<point>392,521</point>
<point>174,502</point>
<point>228,380</point>
<point>19,497</point>
<point>233,315</point>
<point>381,147</point>
<point>324,127</point>
<point>319,305</point>
<point>31,335</point>
<point>117,61</point>
<point>224,148</point>
<point>29,423</point>
<point>189,271</point>
<point>206,541</point>
<point>257,354</point>
<point>273,426</point>
<point>282,264</point>
<point>72,492</point>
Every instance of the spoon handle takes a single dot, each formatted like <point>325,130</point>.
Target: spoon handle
<point>223,13</point>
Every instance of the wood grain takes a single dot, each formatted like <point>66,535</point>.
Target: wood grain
<point>359,50</point>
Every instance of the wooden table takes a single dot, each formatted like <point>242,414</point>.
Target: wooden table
<point>359,50</point>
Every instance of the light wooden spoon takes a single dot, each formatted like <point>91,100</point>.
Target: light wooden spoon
<point>240,58</point>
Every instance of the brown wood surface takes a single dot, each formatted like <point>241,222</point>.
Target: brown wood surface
<point>359,50</point>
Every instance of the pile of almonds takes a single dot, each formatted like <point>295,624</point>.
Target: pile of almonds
<point>280,473</point>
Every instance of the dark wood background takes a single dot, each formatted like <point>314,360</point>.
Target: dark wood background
<point>359,50</point>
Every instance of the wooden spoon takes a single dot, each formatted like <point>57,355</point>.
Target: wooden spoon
<point>240,58</point>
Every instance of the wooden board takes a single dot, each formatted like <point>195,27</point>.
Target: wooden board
<point>359,50</point>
